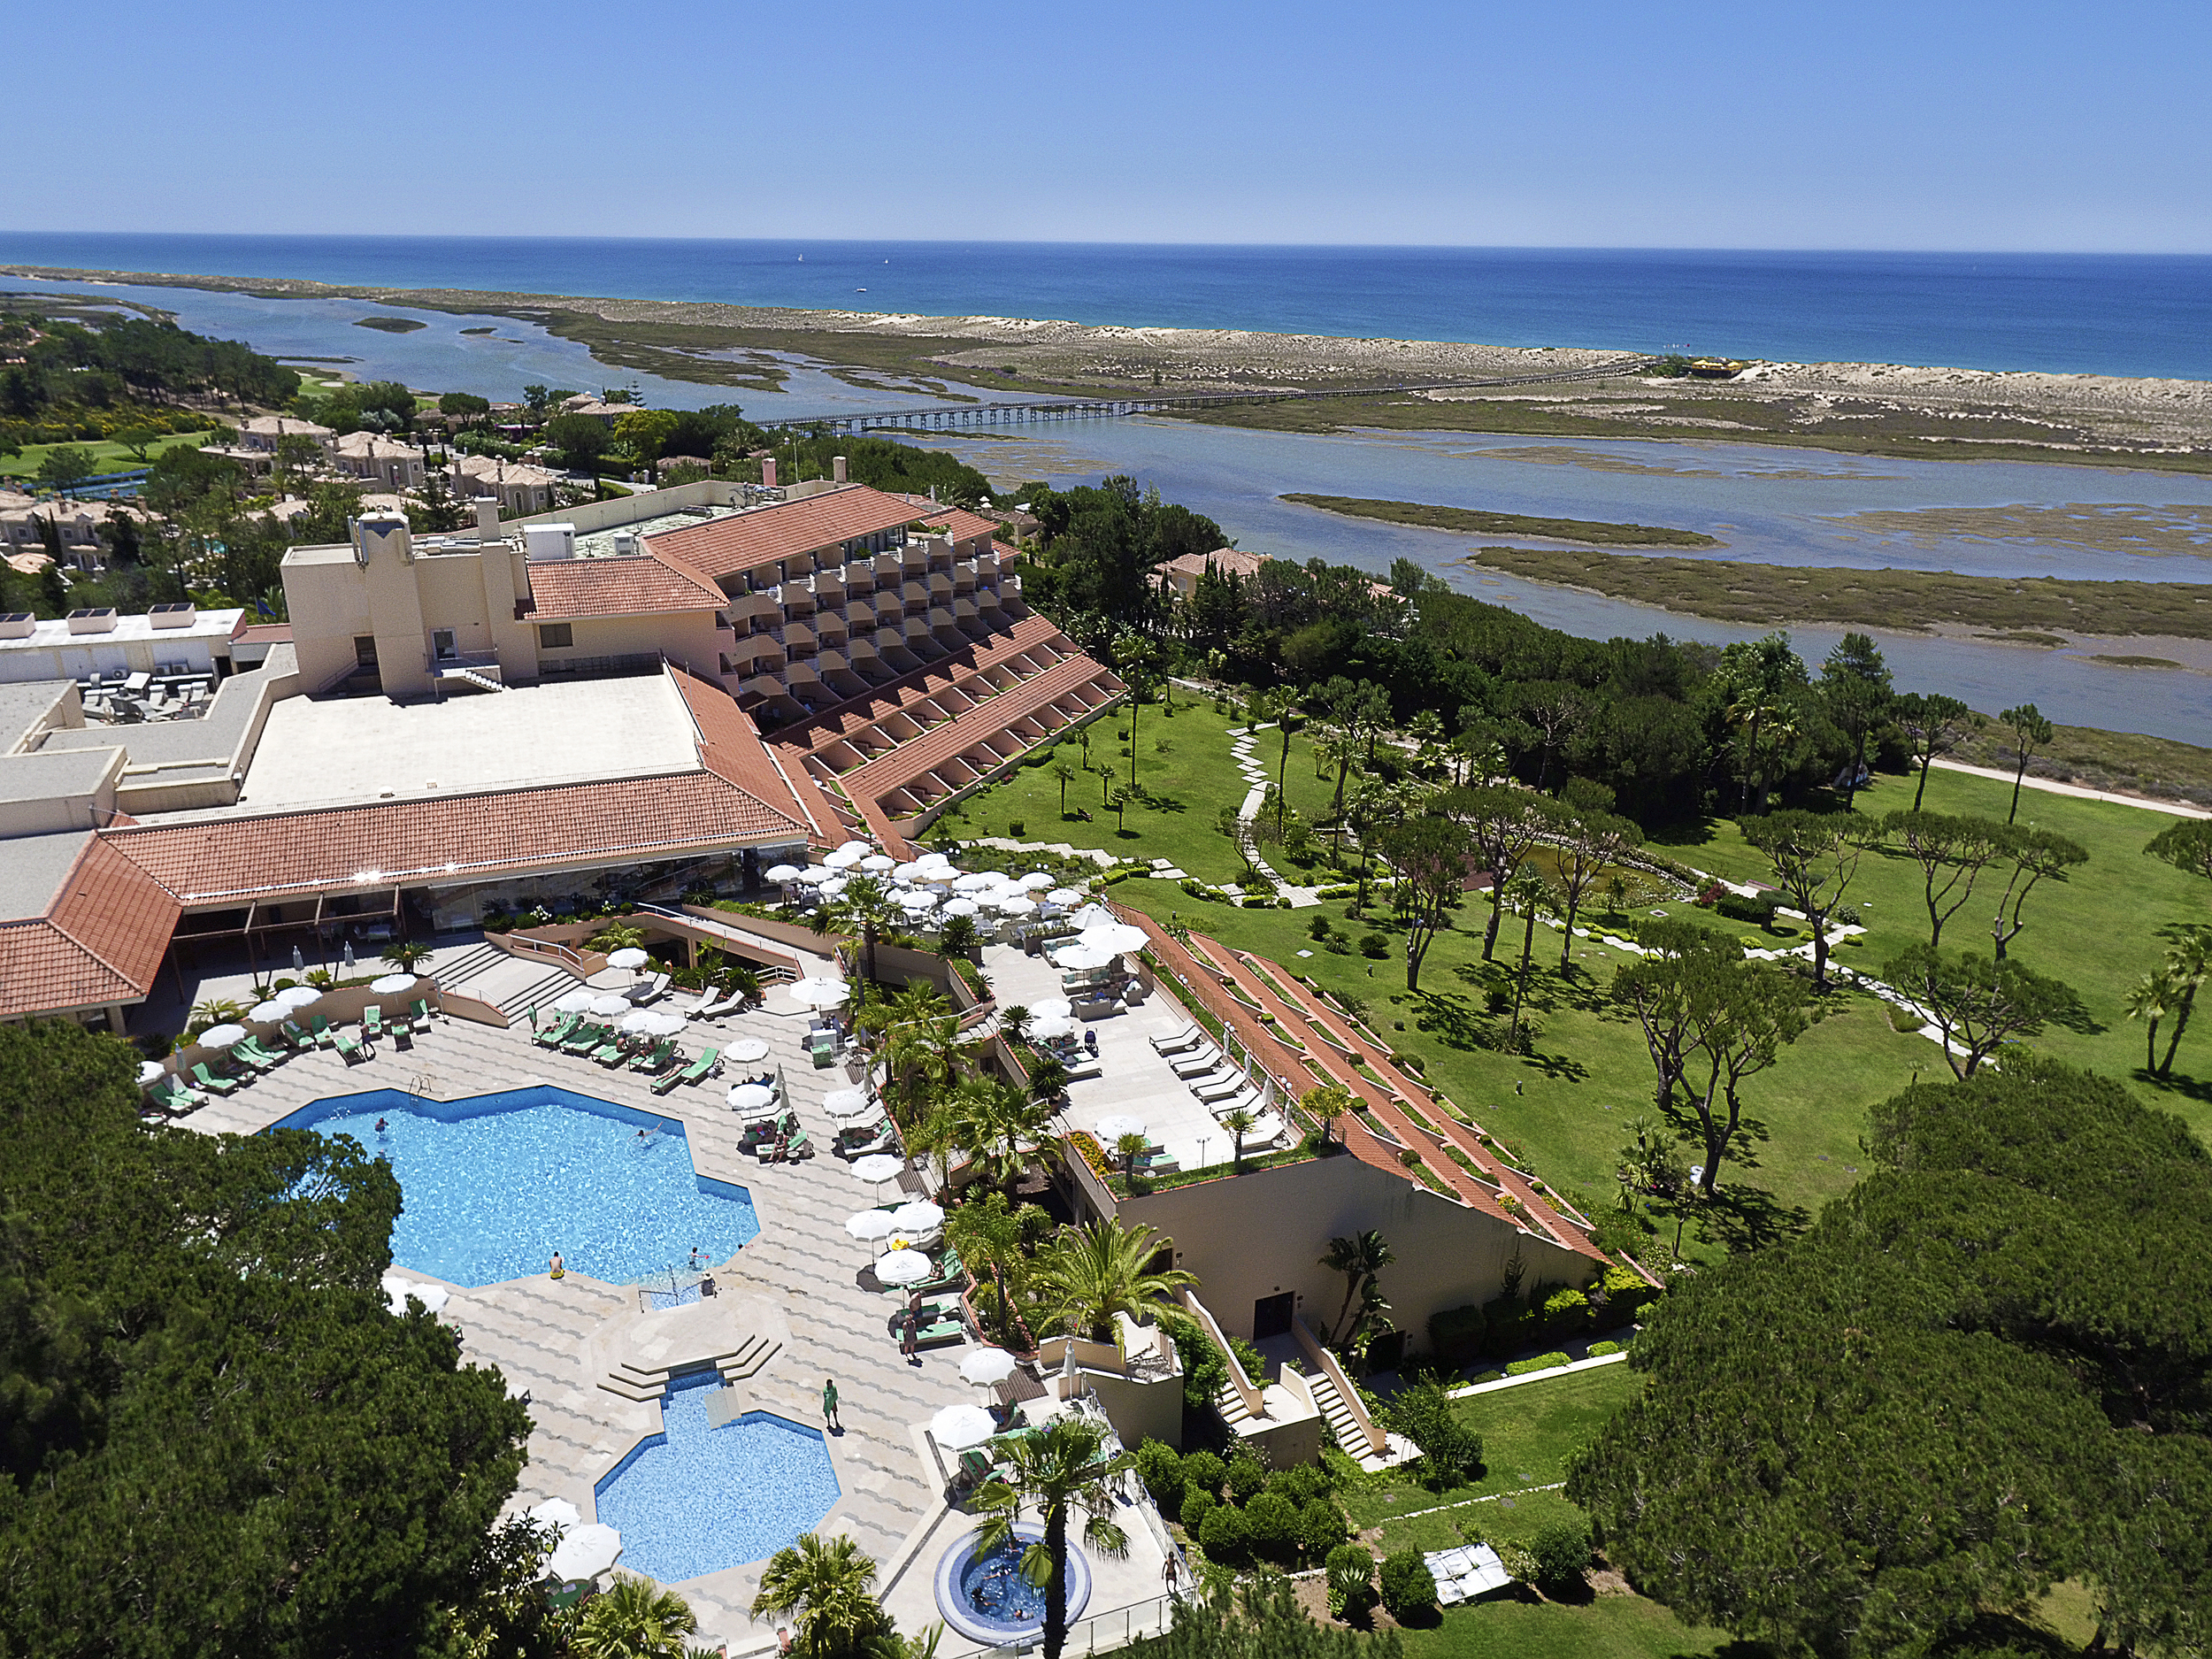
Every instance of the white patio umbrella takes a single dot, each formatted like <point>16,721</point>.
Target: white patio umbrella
<point>904,1267</point>
<point>299,995</point>
<point>221,1036</point>
<point>1064,897</point>
<point>989,1366</point>
<point>1082,958</point>
<point>919,901</point>
<point>1116,936</point>
<point>819,993</point>
<point>961,907</point>
<point>576,1001</point>
<point>1018,904</point>
<point>584,1552</point>
<point>907,872</point>
<point>976,882</point>
<point>393,984</point>
<point>1036,881</point>
<point>746,1097</point>
<point>957,1428</point>
<point>870,1224</point>
<point>747,1048</point>
<point>606,1006</point>
<point>858,849</point>
<point>831,888</point>
<point>557,1512</point>
<point>847,1105</point>
<point>1094,916</point>
<point>150,1072</point>
<point>877,1168</point>
<point>935,869</point>
<point>876,864</point>
<point>269,1012</point>
<point>814,875</point>
<point>1052,1008</point>
<point>397,1290</point>
<point>1111,1129</point>
<point>664,1024</point>
<point>639,1021</point>
<point>1052,1025</point>
<point>843,860</point>
<point>782,873</point>
<point>629,957</point>
<point>918,1217</point>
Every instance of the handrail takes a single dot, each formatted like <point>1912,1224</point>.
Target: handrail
<point>1255,1401</point>
<point>577,961</point>
<point>1378,1443</point>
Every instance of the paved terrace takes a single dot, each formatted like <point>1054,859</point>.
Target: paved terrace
<point>796,1286</point>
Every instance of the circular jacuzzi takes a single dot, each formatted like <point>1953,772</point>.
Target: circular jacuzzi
<point>986,1598</point>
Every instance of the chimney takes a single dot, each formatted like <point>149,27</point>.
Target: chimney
<point>837,469</point>
<point>488,519</point>
<point>768,472</point>
<point>377,530</point>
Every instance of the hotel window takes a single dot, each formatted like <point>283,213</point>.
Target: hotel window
<point>555,636</point>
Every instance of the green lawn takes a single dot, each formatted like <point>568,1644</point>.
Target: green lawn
<point>1567,1107</point>
<point>1606,1627</point>
<point>106,457</point>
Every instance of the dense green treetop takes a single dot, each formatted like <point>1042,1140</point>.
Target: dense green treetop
<point>214,1438</point>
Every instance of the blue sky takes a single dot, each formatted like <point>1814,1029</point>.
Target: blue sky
<point>1777,125</point>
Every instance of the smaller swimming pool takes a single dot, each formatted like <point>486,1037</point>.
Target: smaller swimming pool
<point>492,1185</point>
<point>983,1596</point>
<point>695,1499</point>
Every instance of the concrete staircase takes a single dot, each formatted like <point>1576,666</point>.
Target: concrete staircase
<point>1229,1403</point>
<point>1349,1436</point>
<point>630,1381</point>
<point>508,983</point>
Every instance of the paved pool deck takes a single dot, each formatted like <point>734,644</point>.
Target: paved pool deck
<point>798,1283</point>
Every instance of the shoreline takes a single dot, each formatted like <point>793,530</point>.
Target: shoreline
<point>1919,412</point>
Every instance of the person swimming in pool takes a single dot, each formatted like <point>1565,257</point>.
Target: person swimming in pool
<point>380,1126</point>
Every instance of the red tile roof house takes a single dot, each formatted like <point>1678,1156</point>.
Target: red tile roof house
<point>679,681</point>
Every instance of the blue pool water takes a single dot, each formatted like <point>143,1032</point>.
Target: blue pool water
<point>491,1187</point>
<point>693,1499</point>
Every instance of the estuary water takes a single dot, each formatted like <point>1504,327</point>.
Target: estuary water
<point>1765,503</point>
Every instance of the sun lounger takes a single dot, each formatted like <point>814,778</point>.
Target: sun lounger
<point>1175,1042</point>
<point>649,990</point>
<point>321,1028</point>
<point>258,1057</point>
<point>371,1022</point>
<point>705,1066</point>
<point>609,1051</point>
<point>207,1079</point>
<point>1196,1066</point>
<point>1243,1099</point>
<point>1083,1070</point>
<point>173,1097</point>
<point>418,1013</point>
<point>715,1004</point>
<point>941,1335</point>
<point>351,1046</point>
<point>1222,1090</point>
<point>1264,1133</point>
<point>553,1035</point>
<point>301,1039</point>
<point>584,1039</point>
<point>660,1057</point>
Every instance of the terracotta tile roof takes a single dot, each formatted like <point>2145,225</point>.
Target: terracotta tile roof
<point>101,939</point>
<point>1226,561</point>
<point>720,548</point>
<point>408,842</point>
<point>564,589</point>
<point>730,747</point>
<point>965,525</point>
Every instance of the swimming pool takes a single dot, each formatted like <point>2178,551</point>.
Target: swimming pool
<point>492,1185</point>
<point>695,1499</point>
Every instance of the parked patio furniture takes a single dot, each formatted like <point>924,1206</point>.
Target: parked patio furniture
<point>351,1046</point>
<point>371,1022</point>
<point>208,1080</point>
<point>418,1013</point>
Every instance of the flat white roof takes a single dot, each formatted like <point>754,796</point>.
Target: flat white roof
<point>206,624</point>
<point>348,752</point>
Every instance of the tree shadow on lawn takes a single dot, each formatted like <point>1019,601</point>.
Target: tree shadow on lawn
<point>1451,1018</point>
<point>2195,1088</point>
<point>1741,1219</point>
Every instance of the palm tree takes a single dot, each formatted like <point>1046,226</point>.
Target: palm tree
<point>407,955</point>
<point>1359,1258</point>
<point>1013,1022</point>
<point>1089,1274</point>
<point>863,909</point>
<point>636,1619</point>
<point>831,1587</point>
<point>217,1010</point>
<point>1239,1124</point>
<point>2151,1000</point>
<point>1325,1103</point>
<point>1061,1468</point>
<point>1279,705</point>
<point>1064,775</point>
<point>1000,1127</point>
<point>613,937</point>
<point>1131,1147</point>
<point>988,1232</point>
<point>1048,1080</point>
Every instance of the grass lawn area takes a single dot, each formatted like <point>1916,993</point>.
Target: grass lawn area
<point>1604,1627</point>
<point>1527,1435</point>
<point>106,457</point>
<point>1187,786</point>
<point>2093,931</point>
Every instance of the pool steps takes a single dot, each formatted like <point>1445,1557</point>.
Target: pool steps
<point>736,1363</point>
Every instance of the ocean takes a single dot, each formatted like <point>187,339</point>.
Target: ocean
<point>2105,314</point>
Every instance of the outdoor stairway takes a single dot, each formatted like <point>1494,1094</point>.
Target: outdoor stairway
<point>643,1383</point>
<point>1229,1403</point>
<point>1349,1436</point>
<point>540,983</point>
